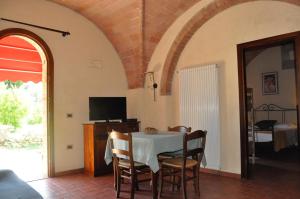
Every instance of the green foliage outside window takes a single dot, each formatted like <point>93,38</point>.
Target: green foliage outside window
<point>12,111</point>
<point>36,117</point>
<point>12,85</point>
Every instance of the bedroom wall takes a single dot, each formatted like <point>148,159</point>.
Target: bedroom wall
<point>270,60</point>
<point>215,42</point>
<point>75,78</point>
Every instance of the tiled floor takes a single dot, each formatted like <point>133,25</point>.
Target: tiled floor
<point>268,183</point>
<point>288,158</point>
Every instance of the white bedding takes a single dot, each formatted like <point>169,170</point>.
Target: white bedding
<point>285,135</point>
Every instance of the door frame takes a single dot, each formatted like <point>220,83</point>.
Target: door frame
<point>50,91</point>
<point>257,44</point>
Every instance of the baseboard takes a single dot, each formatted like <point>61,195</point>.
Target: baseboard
<point>220,173</point>
<point>69,172</point>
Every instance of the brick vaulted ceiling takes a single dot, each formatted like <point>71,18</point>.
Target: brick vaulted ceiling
<point>133,26</point>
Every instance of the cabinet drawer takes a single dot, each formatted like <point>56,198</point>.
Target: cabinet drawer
<point>132,127</point>
<point>119,128</point>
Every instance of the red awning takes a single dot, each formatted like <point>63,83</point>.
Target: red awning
<point>19,60</point>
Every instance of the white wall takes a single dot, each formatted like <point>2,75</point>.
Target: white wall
<point>270,61</point>
<point>215,42</point>
<point>74,79</point>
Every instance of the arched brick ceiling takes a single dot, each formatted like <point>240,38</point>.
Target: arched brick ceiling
<point>159,15</point>
<point>133,26</point>
<point>186,33</point>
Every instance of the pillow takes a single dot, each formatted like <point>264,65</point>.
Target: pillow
<point>286,126</point>
<point>265,124</point>
<point>282,126</point>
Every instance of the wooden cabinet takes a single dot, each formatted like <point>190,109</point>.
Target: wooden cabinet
<point>95,138</point>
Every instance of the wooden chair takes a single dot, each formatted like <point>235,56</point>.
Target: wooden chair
<point>190,161</point>
<point>163,156</point>
<point>126,167</point>
<point>182,129</point>
<point>150,130</point>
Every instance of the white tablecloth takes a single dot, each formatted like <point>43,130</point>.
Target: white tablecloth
<point>146,147</point>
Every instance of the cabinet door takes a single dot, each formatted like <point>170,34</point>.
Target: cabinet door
<point>100,139</point>
<point>100,165</point>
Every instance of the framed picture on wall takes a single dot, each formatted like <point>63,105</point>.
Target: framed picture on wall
<point>270,83</point>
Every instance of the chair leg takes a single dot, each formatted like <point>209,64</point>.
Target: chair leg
<point>136,184</point>
<point>183,182</point>
<point>173,180</point>
<point>161,180</point>
<point>179,183</point>
<point>118,173</point>
<point>196,179</point>
<point>115,174</point>
<point>133,185</point>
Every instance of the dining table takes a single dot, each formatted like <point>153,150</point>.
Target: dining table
<point>147,146</point>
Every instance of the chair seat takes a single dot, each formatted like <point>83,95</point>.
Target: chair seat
<point>162,157</point>
<point>125,163</point>
<point>168,155</point>
<point>177,162</point>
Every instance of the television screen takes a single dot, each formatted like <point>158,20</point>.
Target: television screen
<point>107,108</point>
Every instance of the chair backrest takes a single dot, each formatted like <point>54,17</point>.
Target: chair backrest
<point>195,153</point>
<point>150,130</point>
<point>182,129</point>
<point>114,135</point>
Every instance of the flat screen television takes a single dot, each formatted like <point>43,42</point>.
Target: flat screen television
<point>107,108</point>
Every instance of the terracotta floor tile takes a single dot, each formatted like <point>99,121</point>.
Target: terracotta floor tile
<point>267,183</point>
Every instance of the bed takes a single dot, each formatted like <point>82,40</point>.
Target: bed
<point>11,187</point>
<point>281,133</point>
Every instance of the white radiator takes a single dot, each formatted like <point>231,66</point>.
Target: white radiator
<point>199,107</point>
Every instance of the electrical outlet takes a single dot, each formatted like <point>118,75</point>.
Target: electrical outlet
<point>70,146</point>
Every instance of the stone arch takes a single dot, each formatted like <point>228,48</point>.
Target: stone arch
<point>189,30</point>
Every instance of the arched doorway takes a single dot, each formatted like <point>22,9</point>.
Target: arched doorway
<point>46,77</point>
<point>186,33</point>
<point>248,113</point>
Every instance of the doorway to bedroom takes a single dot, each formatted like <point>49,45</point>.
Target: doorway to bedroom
<point>269,104</point>
<point>24,105</point>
